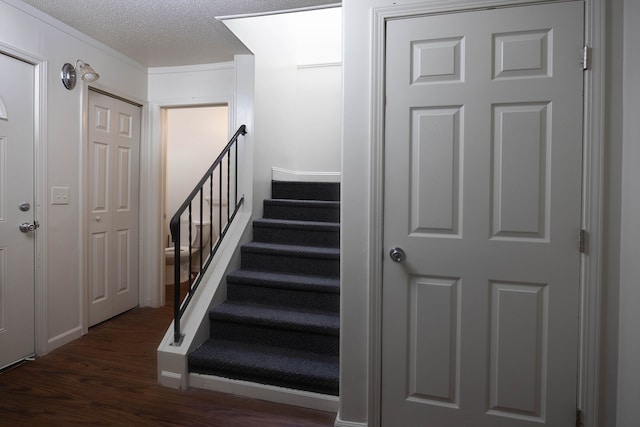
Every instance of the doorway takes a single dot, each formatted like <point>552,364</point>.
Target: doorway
<point>113,181</point>
<point>480,298</point>
<point>194,136</point>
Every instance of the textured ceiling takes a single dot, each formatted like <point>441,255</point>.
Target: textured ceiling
<point>159,33</point>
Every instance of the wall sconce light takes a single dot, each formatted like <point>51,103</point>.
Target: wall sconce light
<point>68,74</point>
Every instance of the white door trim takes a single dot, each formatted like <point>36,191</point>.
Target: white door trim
<point>40,191</point>
<point>593,175</point>
<point>592,213</point>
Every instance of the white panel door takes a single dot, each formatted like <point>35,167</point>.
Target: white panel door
<point>17,295</point>
<point>113,181</point>
<point>483,192</point>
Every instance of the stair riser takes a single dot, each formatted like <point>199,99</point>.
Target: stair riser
<point>293,340</point>
<point>305,190</point>
<point>330,239</point>
<point>302,213</point>
<point>284,297</point>
<point>271,378</point>
<point>290,264</point>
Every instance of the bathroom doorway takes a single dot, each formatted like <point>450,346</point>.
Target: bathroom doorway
<point>194,136</point>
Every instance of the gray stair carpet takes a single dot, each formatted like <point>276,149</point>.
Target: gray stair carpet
<point>280,323</point>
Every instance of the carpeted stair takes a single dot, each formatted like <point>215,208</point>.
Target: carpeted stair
<point>280,323</point>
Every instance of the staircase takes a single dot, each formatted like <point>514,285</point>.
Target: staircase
<point>280,322</point>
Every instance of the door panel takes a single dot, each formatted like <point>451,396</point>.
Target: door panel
<point>114,146</point>
<point>482,190</point>
<point>17,249</point>
<point>520,173</point>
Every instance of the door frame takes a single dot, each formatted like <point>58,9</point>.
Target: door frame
<point>41,341</point>
<point>159,107</point>
<point>143,283</point>
<point>592,191</point>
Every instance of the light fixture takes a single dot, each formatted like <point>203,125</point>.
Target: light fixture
<point>68,74</point>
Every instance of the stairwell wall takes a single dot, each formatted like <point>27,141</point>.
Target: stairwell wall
<point>298,97</point>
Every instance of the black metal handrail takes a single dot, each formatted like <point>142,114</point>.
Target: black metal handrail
<point>174,225</point>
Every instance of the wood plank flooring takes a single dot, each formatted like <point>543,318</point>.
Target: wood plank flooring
<point>108,377</point>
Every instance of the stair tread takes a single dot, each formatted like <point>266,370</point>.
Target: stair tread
<point>313,321</point>
<point>319,283</point>
<point>301,202</point>
<point>301,224</point>
<point>266,361</point>
<point>299,250</point>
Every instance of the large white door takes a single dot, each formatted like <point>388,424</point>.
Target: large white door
<point>113,181</point>
<point>483,193</point>
<point>16,207</point>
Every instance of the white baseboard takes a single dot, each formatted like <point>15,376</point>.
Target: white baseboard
<point>269,393</point>
<point>341,423</point>
<point>280,174</point>
<point>63,338</point>
<point>170,379</point>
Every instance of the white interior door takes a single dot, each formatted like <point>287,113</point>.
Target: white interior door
<point>113,181</point>
<point>17,248</point>
<point>483,192</point>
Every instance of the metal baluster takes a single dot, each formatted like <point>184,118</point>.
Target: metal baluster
<point>211,214</point>
<point>220,199</point>
<point>228,183</point>
<point>190,253</point>
<point>200,233</point>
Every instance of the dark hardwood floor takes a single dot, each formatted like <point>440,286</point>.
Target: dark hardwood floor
<point>108,377</point>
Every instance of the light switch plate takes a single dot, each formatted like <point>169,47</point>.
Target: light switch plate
<point>59,195</point>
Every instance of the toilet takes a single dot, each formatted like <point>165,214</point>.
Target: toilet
<point>169,252</point>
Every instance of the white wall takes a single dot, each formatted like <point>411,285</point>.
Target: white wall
<point>24,29</point>
<point>191,85</point>
<point>317,123</point>
<point>297,110</point>
<point>629,319</point>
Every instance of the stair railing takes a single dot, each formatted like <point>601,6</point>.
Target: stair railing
<point>198,266</point>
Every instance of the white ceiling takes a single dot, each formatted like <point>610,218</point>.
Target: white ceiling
<point>159,33</point>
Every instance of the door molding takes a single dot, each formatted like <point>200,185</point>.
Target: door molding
<point>40,190</point>
<point>592,206</point>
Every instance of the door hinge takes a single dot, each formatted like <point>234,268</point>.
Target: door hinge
<point>586,57</point>
<point>579,418</point>
<point>583,241</point>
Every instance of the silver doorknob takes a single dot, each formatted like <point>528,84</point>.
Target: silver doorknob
<point>25,227</point>
<point>397,254</point>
